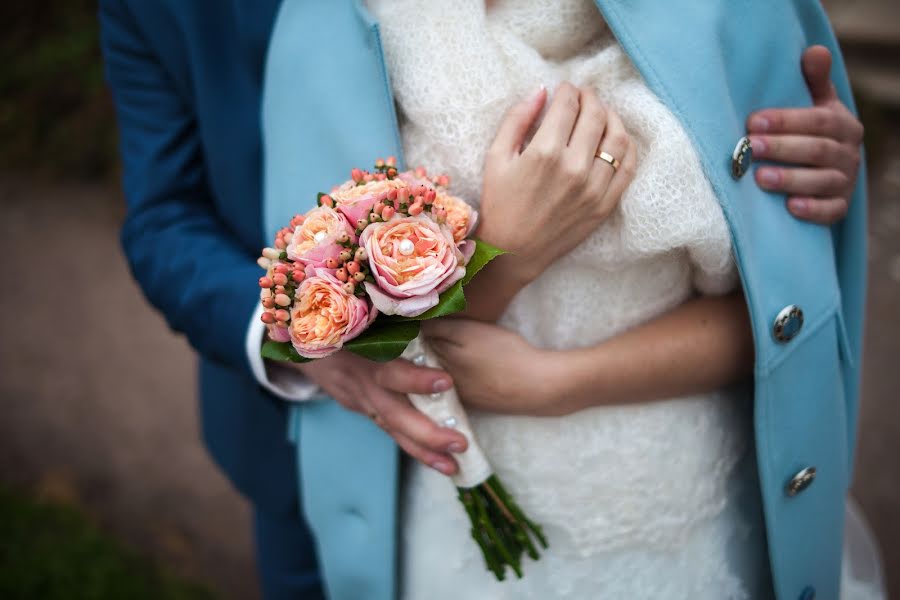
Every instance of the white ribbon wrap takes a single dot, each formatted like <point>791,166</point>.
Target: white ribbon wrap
<point>445,409</point>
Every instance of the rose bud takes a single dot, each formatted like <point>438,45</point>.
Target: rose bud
<point>268,302</point>
<point>271,253</point>
<point>267,318</point>
<point>359,277</point>
<point>387,213</point>
<point>266,282</point>
<point>282,315</point>
<point>353,267</point>
<point>349,287</point>
<point>341,274</point>
<point>282,300</point>
<point>331,263</point>
<point>361,254</point>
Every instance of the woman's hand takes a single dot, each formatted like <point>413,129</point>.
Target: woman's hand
<point>497,370</point>
<point>378,391</point>
<point>823,143</point>
<point>541,202</point>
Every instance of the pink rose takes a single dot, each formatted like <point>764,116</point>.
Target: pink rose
<point>413,260</point>
<point>356,201</point>
<point>325,316</point>
<point>278,334</point>
<point>315,240</point>
<point>461,218</point>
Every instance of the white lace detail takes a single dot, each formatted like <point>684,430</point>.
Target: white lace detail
<point>637,501</point>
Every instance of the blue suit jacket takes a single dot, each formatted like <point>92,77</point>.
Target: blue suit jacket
<point>186,79</point>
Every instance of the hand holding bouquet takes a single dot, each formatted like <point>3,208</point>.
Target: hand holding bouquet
<point>380,253</point>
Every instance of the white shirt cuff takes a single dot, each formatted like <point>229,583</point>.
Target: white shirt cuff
<point>283,381</point>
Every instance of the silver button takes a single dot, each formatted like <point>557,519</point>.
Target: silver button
<point>741,157</point>
<point>787,323</point>
<point>800,481</point>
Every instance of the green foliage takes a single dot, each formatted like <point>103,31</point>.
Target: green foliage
<point>282,351</point>
<point>54,553</point>
<point>385,340</point>
<point>55,113</point>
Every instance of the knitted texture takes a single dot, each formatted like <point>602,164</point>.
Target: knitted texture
<point>638,501</point>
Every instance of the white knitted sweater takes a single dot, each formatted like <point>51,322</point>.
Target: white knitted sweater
<point>637,501</point>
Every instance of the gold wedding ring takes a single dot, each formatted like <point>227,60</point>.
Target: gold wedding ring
<point>612,160</point>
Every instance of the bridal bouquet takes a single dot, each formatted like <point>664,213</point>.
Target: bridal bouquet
<point>378,255</point>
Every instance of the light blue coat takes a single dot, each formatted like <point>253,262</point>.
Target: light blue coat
<point>712,63</point>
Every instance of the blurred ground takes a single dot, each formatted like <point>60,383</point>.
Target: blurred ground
<point>97,395</point>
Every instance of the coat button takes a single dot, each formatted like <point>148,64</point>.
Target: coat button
<point>800,481</point>
<point>741,158</point>
<point>808,593</point>
<point>788,323</point>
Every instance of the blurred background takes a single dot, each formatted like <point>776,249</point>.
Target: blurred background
<point>105,488</point>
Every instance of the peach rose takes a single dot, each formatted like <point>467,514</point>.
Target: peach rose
<point>325,316</point>
<point>461,218</point>
<point>413,260</point>
<point>356,201</point>
<point>316,239</point>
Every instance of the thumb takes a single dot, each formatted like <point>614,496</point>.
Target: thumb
<point>517,121</point>
<point>816,64</point>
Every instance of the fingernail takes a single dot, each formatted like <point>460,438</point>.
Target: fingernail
<point>441,466</point>
<point>758,144</point>
<point>798,205</point>
<point>759,123</point>
<point>769,177</point>
<point>441,385</point>
<point>455,447</point>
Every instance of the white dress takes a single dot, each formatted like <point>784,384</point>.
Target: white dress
<point>656,500</point>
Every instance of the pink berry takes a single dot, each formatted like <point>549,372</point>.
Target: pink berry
<point>361,255</point>
<point>297,275</point>
<point>327,200</point>
<point>266,282</point>
<point>387,213</point>
<point>344,255</point>
<point>297,220</point>
<point>353,267</point>
<point>331,263</point>
<point>379,206</point>
<point>356,174</point>
<point>359,277</point>
<point>282,315</point>
<point>415,209</point>
<point>281,268</point>
<point>342,238</point>
<point>420,172</point>
<point>282,300</point>
<point>341,274</point>
<point>349,287</point>
<point>391,161</point>
<point>362,223</point>
<point>267,318</point>
<point>430,196</point>
<point>379,163</point>
<point>268,302</point>
<point>443,181</point>
<point>279,243</point>
<point>392,194</point>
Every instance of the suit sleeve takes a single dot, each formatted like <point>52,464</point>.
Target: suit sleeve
<point>188,262</point>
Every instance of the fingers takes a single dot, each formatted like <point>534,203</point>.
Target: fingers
<point>824,211</point>
<point>621,178</point>
<point>556,128</point>
<point>838,124</point>
<point>439,462</point>
<point>398,417</point>
<point>517,122</point>
<point>406,378</point>
<point>803,182</point>
<point>816,65</point>
<point>805,150</point>
<point>589,128</point>
<point>607,181</point>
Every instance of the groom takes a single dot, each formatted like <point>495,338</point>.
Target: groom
<point>187,80</point>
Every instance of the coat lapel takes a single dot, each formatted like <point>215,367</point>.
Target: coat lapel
<point>328,107</point>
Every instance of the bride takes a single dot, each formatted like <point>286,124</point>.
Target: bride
<point>657,499</point>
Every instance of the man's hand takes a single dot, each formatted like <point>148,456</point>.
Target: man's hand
<point>378,391</point>
<point>822,143</point>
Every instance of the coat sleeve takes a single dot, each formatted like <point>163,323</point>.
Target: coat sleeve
<point>188,262</point>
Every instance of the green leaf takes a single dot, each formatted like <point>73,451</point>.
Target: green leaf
<point>384,340</point>
<point>451,301</point>
<point>281,351</point>
<point>484,253</point>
